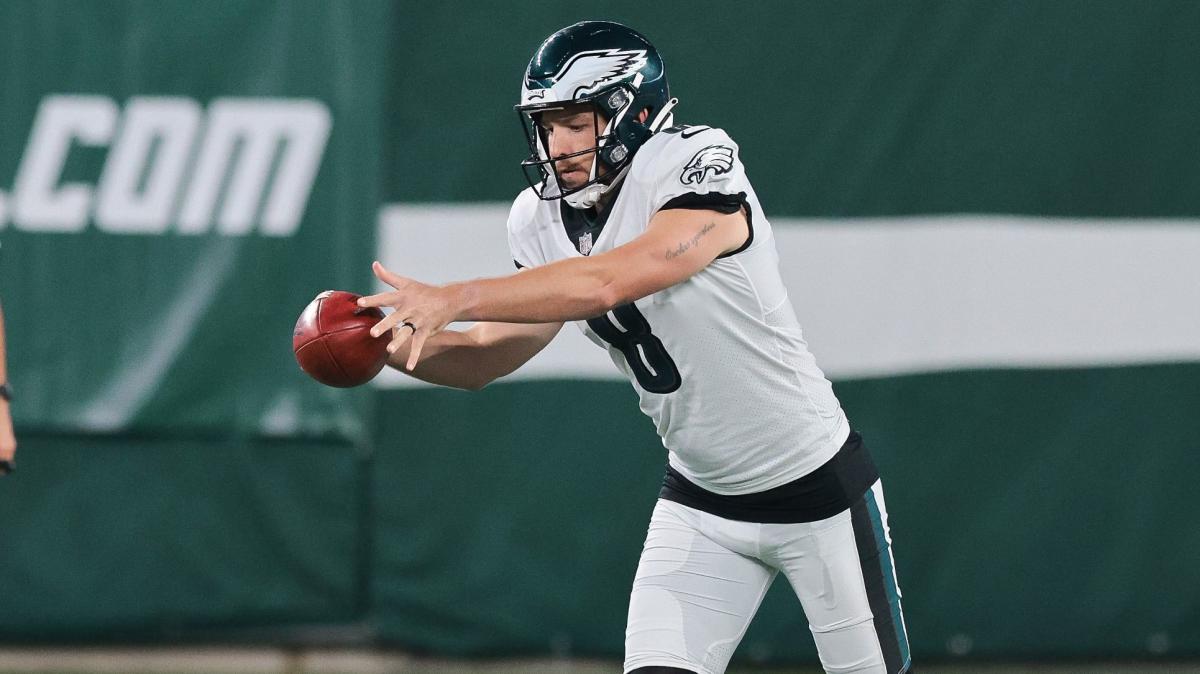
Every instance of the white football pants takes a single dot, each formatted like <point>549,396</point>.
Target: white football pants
<point>702,577</point>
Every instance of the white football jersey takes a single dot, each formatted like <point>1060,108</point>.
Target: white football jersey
<point>718,360</point>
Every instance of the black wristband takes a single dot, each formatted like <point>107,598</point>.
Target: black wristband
<point>5,391</point>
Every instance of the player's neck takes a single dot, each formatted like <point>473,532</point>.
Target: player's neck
<point>605,202</point>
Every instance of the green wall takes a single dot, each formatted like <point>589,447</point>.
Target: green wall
<point>1069,108</point>
<point>1038,514</point>
<point>181,480</point>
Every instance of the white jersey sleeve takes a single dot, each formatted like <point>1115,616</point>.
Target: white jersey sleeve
<point>523,242</point>
<point>696,167</point>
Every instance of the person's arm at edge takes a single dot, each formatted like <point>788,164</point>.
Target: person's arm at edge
<point>8,440</point>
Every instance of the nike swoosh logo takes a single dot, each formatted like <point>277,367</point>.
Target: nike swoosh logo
<point>695,130</point>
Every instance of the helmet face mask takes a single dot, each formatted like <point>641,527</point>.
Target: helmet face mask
<point>608,155</point>
<point>616,72</point>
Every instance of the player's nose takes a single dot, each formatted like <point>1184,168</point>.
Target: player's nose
<point>559,147</point>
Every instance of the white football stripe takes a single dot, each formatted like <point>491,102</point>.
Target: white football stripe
<point>886,296</point>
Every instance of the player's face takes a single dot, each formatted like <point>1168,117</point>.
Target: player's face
<point>569,130</point>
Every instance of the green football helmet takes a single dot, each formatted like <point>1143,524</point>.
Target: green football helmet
<point>617,71</point>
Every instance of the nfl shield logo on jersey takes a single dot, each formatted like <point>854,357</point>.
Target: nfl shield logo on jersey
<point>585,243</point>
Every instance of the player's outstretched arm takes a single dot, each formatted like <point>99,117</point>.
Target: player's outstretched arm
<point>675,245</point>
<point>473,359</point>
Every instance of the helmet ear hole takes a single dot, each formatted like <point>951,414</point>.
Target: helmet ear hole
<point>616,100</point>
<point>615,154</point>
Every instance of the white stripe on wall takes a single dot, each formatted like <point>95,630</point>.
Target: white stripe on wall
<point>885,296</point>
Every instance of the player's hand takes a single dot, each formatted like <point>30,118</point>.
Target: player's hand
<point>419,311</point>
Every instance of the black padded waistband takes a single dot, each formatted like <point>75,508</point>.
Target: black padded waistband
<point>821,494</point>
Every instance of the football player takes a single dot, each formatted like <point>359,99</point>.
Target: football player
<point>649,237</point>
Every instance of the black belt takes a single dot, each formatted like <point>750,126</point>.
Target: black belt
<point>821,494</point>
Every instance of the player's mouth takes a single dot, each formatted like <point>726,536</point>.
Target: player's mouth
<point>573,177</point>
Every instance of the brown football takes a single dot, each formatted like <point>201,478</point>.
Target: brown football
<point>333,342</point>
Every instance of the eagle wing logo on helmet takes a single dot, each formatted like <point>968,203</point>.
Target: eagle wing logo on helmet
<point>587,72</point>
<point>715,158</point>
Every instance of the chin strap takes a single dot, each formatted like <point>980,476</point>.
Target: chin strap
<point>590,195</point>
<point>664,116</point>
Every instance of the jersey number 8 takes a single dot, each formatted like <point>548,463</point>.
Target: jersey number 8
<point>645,353</point>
